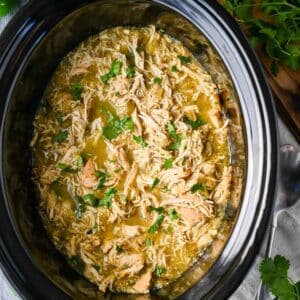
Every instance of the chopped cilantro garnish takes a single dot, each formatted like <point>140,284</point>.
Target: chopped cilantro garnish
<point>194,124</point>
<point>127,123</point>
<point>115,69</point>
<point>174,69</point>
<point>76,91</point>
<point>173,214</point>
<point>130,72</point>
<point>117,94</point>
<point>155,226</point>
<point>65,167</point>
<point>80,162</point>
<point>176,139</point>
<point>119,249</point>
<point>155,183</point>
<point>91,199</point>
<point>157,80</point>
<point>197,187</point>
<point>60,137</point>
<point>159,210</point>
<point>184,59</point>
<point>140,140</point>
<point>102,178</point>
<point>159,271</point>
<point>168,163</point>
<point>106,201</point>
<point>115,126</point>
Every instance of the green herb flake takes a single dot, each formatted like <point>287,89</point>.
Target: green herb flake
<point>149,242</point>
<point>102,179</point>
<point>176,140</point>
<point>115,69</point>
<point>168,163</point>
<point>119,249</point>
<point>60,137</point>
<point>77,263</point>
<point>114,126</point>
<point>140,140</point>
<point>117,94</point>
<point>154,183</point>
<point>159,271</point>
<point>91,199</point>
<point>184,59</point>
<point>173,214</point>
<point>157,80</point>
<point>80,162</point>
<point>155,226</point>
<point>194,124</point>
<point>197,187</point>
<point>159,210</point>
<point>130,72</point>
<point>76,90</point>
<point>127,124</point>
<point>65,167</point>
<point>174,69</point>
<point>106,201</point>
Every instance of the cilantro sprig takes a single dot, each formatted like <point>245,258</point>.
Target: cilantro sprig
<point>274,274</point>
<point>276,32</point>
<point>115,69</point>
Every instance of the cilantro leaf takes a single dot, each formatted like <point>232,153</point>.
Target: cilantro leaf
<point>159,209</point>
<point>194,124</point>
<point>140,141</point>
<point>197,187</point>
<point>176,140</point>
<point>91,199</point>
<point>155,226</point>
<point>184,59</point>
<point>6,6</point>
<point>115,126</point>
<point>274,274</point>
<point>119,249</point>
<point>157,80</point>
<point>276,31</point>
<point>174,69</point>
<point>106,201</point>
<point>115,69</point>
<point>159,271</point>
<point>130,72</point>
<point>155,183</point>
<point>168,163</point>
<point>76,91</point>
<point>60,137</point>
<point>173,214</point>
<point>65,167</point>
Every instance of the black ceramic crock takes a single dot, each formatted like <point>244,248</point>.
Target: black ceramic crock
<point>30,48</point>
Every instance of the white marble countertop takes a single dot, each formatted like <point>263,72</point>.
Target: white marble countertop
<point>286,137</point>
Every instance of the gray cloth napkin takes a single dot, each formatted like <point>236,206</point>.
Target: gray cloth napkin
<point>286,242</point>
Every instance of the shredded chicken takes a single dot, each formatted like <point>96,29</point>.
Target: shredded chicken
<point>131,159</point>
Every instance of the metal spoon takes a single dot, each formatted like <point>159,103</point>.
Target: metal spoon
<point>288,194</point>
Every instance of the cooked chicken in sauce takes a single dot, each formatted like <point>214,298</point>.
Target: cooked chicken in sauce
<point>131,159</point>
